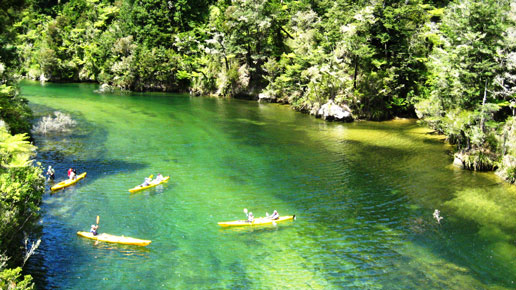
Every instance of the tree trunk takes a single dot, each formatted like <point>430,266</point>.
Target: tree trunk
<point>355,74</point>
<point>482,120</point>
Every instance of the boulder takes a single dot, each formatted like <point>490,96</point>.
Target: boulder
<point>331,111</point>
<point>105,88</point>
<point>263,97</point>
<point>458,162</point>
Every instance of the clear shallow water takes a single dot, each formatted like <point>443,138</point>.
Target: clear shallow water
<point>364,194</point>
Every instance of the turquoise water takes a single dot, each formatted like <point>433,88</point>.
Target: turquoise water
<point>364,194</point>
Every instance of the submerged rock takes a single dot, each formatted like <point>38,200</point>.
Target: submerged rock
<point>60,123</point>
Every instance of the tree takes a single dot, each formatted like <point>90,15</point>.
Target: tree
<point>155,22</point>
<point>21,189</point>
<point>243,35</point>
<point>463,101</point>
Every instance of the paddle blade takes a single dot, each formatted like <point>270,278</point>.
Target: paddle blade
<point>98,219</point>
<point>266,214</point>
<point>151,176</point>
<point>245,210</point>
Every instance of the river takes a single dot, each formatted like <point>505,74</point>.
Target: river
<point>363,194</point>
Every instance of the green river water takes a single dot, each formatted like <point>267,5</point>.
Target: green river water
<point>363,193</point>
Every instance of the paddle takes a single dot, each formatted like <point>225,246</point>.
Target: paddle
<point>246,214</point>
<point>98,219</point>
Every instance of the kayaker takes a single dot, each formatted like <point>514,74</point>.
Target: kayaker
<point>146,182</point>
<point>51,173</point>
<point>93,229</point>
<point>250,217</point>
<point>275,215</point>
<point>72,173</point>
<point>159,178</point>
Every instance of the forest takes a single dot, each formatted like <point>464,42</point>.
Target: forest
<point>452,64</point>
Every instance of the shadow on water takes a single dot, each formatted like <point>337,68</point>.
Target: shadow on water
<point>96,168</point>
<point>44,265</point>
<point>123,250</point>
<point>241,280</point>
<point>64,151</point>
<point>75,149</point>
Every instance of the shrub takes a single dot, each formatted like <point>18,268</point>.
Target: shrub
<point>11,279</point>
<point>507,168</point>
<point>477,159</point>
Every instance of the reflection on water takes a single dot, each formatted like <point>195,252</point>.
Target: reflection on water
<point>258,228</point>
<point>125,251</point>
<point>364,194</point>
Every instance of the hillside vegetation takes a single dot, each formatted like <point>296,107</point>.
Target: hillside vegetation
<point>451,63</point>
<point>21,182</point>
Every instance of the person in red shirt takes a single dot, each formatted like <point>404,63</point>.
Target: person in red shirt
<point>72,173</point>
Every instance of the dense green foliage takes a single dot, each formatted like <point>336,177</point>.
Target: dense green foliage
<point>452,62</point>
<point>369,55</point>
<point>21,189</point>
<point>11,279</point>
<point>21,183</point>
<point>471,93</point>
<point>14,110</point>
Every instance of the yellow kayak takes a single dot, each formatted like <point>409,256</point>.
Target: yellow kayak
<point>257,221</point>
<point>152,184</point>
<point>114,239</point>
<point>68,182</point>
